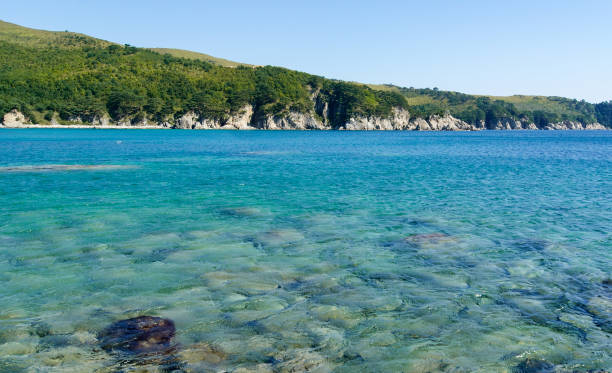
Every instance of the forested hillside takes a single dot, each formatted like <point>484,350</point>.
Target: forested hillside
<point>60,76</point>
<point>473,109</point>
<point>45,74</point>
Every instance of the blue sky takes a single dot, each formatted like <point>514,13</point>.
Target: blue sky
<point>561,48</point>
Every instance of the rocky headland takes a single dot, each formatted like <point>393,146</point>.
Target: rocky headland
<point>245,119</point>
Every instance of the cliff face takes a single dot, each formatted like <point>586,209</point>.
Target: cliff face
<point>446,123</point>
<point>399,120</point>
<point>570,125</point>
<point>245,119</point>
<point>292,121</point>
<point>14,118</point>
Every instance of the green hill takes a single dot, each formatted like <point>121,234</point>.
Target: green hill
<point>199,56</point>
<point>28,37</point>
<point>65,39</point>
<point>540,110</point>
<point>57,75</point>
<point>65,75</point>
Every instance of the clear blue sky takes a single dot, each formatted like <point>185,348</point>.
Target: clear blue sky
<point>548,47</point>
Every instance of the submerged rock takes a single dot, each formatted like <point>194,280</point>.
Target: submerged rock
<point>63,167</point>
<point>339,316</point>
<point>143,342</point>
<point>304,360</point>
<point>600,306</point>
<point>242,211</point>
<point>277,237</point>
<point>600,309</point>
<point>427,239</point>
<point>259,368</point>
<point>531,245</point>
<point>143,334</point>
<point>422,223</point>
<point>530,365</point>
<point>40,329</point>
<point>15,348</point>
<point>55,341</point>
<point>202,354</point>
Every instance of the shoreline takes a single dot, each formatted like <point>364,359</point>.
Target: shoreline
<point>84,126</point>
<point>80,126</point>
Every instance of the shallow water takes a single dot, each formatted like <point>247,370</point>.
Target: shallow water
<point>308,251</point>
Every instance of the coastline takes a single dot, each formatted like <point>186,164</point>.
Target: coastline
<point>82,126</point>
<point>140,127</point>
<point>244,120</point>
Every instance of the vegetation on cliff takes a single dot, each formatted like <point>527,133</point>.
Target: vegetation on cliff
<point>490,109</point>
<point>62,76</point>
<point>71,75</point>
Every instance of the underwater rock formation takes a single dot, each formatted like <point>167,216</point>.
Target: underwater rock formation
<point>436,238</point>
<point>530,365</point>
<point>143,334</point>
<point>63,167</point>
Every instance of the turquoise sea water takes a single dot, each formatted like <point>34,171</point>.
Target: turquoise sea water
<point>308,251</point>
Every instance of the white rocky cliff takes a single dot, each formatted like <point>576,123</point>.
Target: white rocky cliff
<point>245,119</point>
<point>14,118</point>
<point>399,120</point>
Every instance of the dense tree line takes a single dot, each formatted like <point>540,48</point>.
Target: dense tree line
<point>604,113</point>
<point>126,82</point>
<point>485,110</point>
<point>72,75</point>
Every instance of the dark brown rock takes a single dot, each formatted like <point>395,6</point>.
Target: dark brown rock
<point>531,365</point>
<point>139,335</point>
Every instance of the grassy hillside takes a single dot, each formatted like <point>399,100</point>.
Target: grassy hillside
<point>24,36</point>
<point>40,38</point>
<point>199,56</point>
<point>64,75</point>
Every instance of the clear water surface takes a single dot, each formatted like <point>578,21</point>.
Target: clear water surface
<point>308,251</point>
